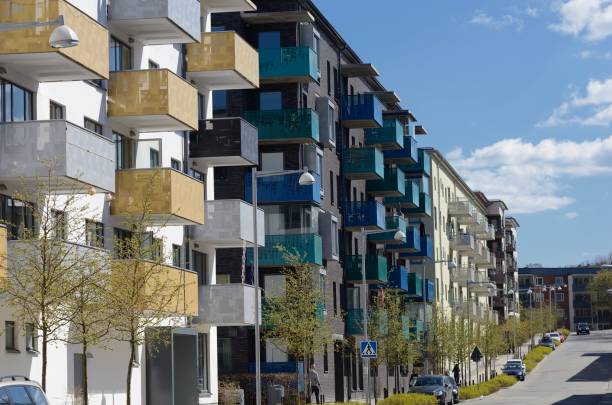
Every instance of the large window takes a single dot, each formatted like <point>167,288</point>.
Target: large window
<point>31,338</point>
<point>291,219</point>
<point>269,39</point>
<point>176,255</point>
<point>120,56</point>
<point>10,344</point>
<point>16,102</point>
<point>199,266</point>
<point>93,126</point>
<point>56,111</point>
<point>94,233</point>
<point>18,217</point>
<point>219,103</point>
<point>203,371</point>
<point>124,151</point>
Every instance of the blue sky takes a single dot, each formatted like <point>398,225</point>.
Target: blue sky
<point>518,95</point>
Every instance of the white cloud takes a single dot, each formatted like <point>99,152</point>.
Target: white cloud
<point>505,21</point>
<point>594,107</point>
<point>533,177</point>
<point>588,54</point>
<point>571,215</point>
<point>588,19</point>
<point>532,11</point>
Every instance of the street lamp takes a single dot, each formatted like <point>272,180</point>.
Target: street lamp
<point>61,37</point>
<point>306,179</point>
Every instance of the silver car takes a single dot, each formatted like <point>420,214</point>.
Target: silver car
<point>20,390</point>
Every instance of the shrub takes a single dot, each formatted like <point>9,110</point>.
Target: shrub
<point>409,399</point>
<point>535,356</point>
<point>565,332</point>
<point>557,343</point>
<point>487,387</point>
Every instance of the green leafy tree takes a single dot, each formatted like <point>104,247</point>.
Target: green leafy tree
<point>599,287</point>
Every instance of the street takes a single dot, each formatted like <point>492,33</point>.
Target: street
<point>578,372</point>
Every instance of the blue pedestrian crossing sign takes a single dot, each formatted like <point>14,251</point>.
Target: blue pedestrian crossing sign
<point>369,349</point>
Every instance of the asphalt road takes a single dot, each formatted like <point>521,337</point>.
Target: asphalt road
<point>579,372</point>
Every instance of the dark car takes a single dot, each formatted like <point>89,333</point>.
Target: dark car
<point>436,385</point>
<point>547,341</point>
<point>583,329</point>
<point>455,388</point>
<point>515,370</point>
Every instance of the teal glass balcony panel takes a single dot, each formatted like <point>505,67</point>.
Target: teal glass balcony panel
<point>393,223</point>
<point>321,312</point>
<point>389,137</point>
<point>415,285</point>
<point>412,244</point>
<point>425,251</point>
<point>367,215</point>
<point>354,321</point>
<point>398,278</point>
<point>412,328</point>
<point>410,199</point>
<point>392,185</point>
<point>363,163</point>
<point>406,155</point>
<point>421,167</point>
<point>285,126</point>
<point>288,65</point>
<point>308,245</point>
<point>376,269</point>
<point>283,188</point>
<point>361,111</point>
<point>424,208</point>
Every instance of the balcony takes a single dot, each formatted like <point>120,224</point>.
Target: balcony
<point>363,163</point>
<point>283,188</point>
<point>462,242</point>
<point>367,215</point>
<point>412,328</point>
<point>156,22</point>
<point>285,126</point>
<point>430,291</point>
<point>421,168</point>
<point>27,51</point>
<point>376,269</point>
<point>463,210</point>
<point>228,6</point>
<point>288,65</point>
<point>354,321</point>
<point>392,185</point>
<point>461,275</point>
<point>229,224</point>
<point>407,154</point>
<point>167,195</point>
<point>410,199</point>
<point>157,279</point>
<point>153,100</point>
<point>308,245</point>
<point>412,244</point>
<point>398,278</point>
<point>415,285</point>
<point>77,157</point>
<point>224,142</point>
<point>483,259</point>
<point>423,209</point>
<point>483,231</point>
<point>222,61</point>
<point>389,137</point>
<point>425,251</point>
<point>228,305</point>
<point>393,223</point>
<point>3,253</point>
<point>361,111</point>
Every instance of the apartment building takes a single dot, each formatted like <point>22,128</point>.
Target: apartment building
<point>126,116</point>
<point>461,231</point>
<point>566,289</point>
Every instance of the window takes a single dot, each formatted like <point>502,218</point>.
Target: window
<point>123,151</point>
<point>16,103</point>
<point>317,48</point>
<point>334,238</point>
<point>217,28</point>
<point>197,175</point>
<point>435,218</point>
<point>10,343</point>
<point>94,233</point>
<point>56,111</point>
<point>331,187</point>
<point>202,106</point>
<point>275,352</point>
<point>329,79</point>
<point>223,278</point>
<point>224,346</point>
<point>176,255</point>
<point>270,100</point>
<point>153,157</point>
<point>559,297</point>
<point>153,65</point>
<point>558,280</point>
<point>539,281</point>
<point>120,56</point>
<point>336,84</point>
<point>325,360</point>
<point>93,126</point>
<point>323,290</point>
<point>36,394</point>
<point>31,338</point>
<point>58,224</point>
<point>199,266</point>
<point>332,125</point>
<point>175,164</point>
<point>19,395</point>
<point>18,216</point>
<point>4,399</point>
<point>219,103</point>
<point>203,382</point>
<point>335,298</point>
<point>271,162</point>
<point>270,39</point>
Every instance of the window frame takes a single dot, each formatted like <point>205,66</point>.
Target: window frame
<point>203,366</point>
<point>31,338</point>
<point>97,128</point>
<point>10,329</point>
<point>98,231</point>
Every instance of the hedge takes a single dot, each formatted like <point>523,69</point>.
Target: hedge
<point>535,356</point>
<point>409,399</point>
<point>565,332</point>
<point>487,387</point>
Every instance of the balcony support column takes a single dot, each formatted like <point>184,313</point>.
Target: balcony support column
<point>256,285</point>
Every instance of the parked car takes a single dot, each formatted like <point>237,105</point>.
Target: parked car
<point>436,385</point>
<point>20,390</point>
<point>519,362</point>
<point>547,341</point>
<point>455,389</point>
<point>514,369</point>
<point>583,329</point>
<point>555,336</point>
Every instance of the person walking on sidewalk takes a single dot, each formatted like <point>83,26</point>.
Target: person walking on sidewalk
<point>456,373</point>
<point>315,383</point>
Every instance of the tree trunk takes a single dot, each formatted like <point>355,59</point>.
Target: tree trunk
<point>45,341</point>
<point>85,389</point>
<point>128,392</point>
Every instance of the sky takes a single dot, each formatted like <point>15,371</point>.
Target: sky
<point>517,94</point>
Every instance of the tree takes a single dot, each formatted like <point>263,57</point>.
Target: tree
<point>294,318</point>
<point>439,339</point>
<point>491,343</point>
<point>599,287</point>
<point>44,268</point>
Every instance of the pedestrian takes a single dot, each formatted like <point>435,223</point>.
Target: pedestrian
<point>413,376</point>
<point>315,383</point>
<point>456,373</point>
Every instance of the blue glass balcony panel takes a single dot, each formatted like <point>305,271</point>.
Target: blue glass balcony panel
<point>398,278</point>
<point>392,185</point>
<point>362,111</point>
<point>283,188</point>
<point>288,65</point>
<point>425,251</point>
<point>412,244</point>
<point>421,167</point>
<point>408,154</point>
<point>363,163</point>
<point>415,285</point>
<point>389,137</point>
<point>424,208</point>
<point>410,199</point>
<point>354,321</point>
<point>393,223</point>
<point>369,215</point>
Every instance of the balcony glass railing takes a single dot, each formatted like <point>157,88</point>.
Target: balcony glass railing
<point>412,328</point>
<point>415,285</point>
<point>410,199</point>
<point>424,208</point>
<point>354,321</point>
<point>285,126</point>
<point>308,246</point>
<point>412,244</point>
<point>292,64</point>
<point>425,250</point>
<point>408,154</point>
<point>393,184</point>
<point>398,278</point>
<point>376,269</point>
<point>363,163</point>
<point>361,111</point>
<point>393,223</point>
<point>283,188</point>
<point>224,142</point>
<point>369,215</point>
<point>389,137</point>
<point>421,167</point>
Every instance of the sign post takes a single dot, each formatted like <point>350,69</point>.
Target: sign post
<point>368,349</point>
